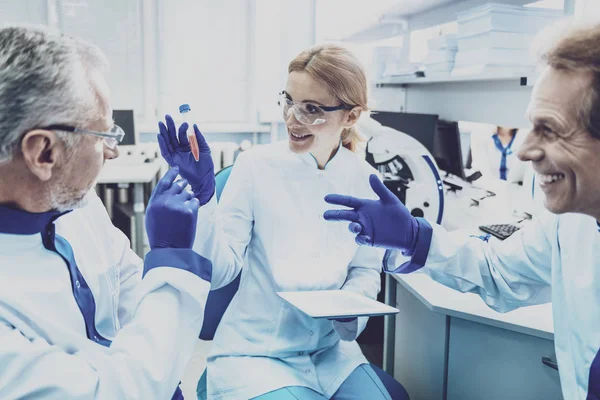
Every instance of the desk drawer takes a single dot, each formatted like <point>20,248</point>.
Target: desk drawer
<point>485,362</point>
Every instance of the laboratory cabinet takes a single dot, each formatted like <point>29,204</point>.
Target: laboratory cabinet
<point>491,363</point>
<point>450,346</point>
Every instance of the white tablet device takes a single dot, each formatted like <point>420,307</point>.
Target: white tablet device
<point>336,304</point>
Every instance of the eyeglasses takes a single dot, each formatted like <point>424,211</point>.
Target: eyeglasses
<point>111,138</point>
<point>307,113</point>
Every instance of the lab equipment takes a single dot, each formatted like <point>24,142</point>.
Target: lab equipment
<point>223,154</point>
<point>406,165</point>
<point>185,111</point>
<point>172,214</point>
<point>448,148</point>
<point>200,174</point>
<point>125,119</point>
<point>379,223</point>
<point>335,304</point>
<point>501,231</point>
<point>419,126</point>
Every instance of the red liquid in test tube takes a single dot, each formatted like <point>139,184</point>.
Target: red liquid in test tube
<point>194,146</point>
<point>185,111</point>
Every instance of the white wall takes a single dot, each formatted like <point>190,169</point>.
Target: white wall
<point>204,58</point>
<point>227,58</point>
<point>283,29</point>
<point>25,11</point>
<point>116,27</point>
<point>588,9</point>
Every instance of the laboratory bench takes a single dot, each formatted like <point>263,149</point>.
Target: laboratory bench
<point>451,345</point>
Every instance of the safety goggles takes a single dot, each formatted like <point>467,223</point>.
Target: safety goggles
<point>307,113</point>
<point>111,138</point>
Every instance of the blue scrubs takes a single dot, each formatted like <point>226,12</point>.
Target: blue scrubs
<point>363,383</point>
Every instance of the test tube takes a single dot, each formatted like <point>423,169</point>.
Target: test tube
<point>185,111</point>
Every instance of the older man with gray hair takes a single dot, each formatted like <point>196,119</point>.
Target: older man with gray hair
<point>554,258</point>
<point>76,318</point>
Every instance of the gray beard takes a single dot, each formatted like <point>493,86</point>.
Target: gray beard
<point>64,198</point>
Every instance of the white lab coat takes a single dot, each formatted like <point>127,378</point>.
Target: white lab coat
<point>486,156</point>
<point>270,220</point>
<point>44,350</point>
<point>553,258</point>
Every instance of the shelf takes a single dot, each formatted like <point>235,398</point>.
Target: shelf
<point>383,29</point>
<point>214,127</point>
<point>521,80</point>
<point>419,14</point>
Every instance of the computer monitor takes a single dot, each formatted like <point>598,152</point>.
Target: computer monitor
<point>420,126</point>
<point>447,148</point>
<point>124,118</point>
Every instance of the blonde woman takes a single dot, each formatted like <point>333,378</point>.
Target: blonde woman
<point>270,222</point>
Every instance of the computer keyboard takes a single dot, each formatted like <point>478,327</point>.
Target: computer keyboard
<point>501,231</point>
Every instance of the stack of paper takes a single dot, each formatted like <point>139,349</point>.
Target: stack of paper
<point>496,38</point>
<point>441,54</point>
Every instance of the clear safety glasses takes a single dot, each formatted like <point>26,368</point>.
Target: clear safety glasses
<point>111,138</point>
<point>307,113</point>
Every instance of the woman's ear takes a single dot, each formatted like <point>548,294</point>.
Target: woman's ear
<point>352,116</point>
<point>41,150</point>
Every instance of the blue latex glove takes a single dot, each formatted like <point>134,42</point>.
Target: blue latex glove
<point>172,214</point>
<point>200,174</point>
<point>379,223</point>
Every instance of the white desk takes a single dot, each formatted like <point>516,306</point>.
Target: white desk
<point>451,345</point>
<point>133,171</point>
<point>534,320</point>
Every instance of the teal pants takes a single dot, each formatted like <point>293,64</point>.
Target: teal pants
<point>363,383</point>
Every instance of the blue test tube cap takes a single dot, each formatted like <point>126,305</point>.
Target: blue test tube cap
<point>184,108</point>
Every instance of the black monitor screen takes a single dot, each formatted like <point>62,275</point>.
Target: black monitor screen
<point>447,149</point>
<point>124,118</point>
<point>420,126</point>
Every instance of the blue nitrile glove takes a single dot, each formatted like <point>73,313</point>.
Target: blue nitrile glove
<point>200,174</point>
<point>379,223</point>
<point>172,214</point>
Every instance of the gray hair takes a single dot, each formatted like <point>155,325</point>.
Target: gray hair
<point>574,45</point>
<point>44,80</point>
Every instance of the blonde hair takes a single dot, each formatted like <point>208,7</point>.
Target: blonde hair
<point>571,46</point>
<point>343,75</point>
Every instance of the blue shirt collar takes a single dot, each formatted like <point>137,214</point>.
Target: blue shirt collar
<point>18,222</point>
<point>501,147</point>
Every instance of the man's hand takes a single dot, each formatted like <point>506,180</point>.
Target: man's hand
<point>200,174</point>
<point>379,223</point>
<point>172,214</point>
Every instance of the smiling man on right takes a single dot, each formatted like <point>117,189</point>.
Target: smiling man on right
<point>554,258</point>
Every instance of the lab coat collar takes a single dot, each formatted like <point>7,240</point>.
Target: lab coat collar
<point>309,158</point>
<point>19,222</point>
